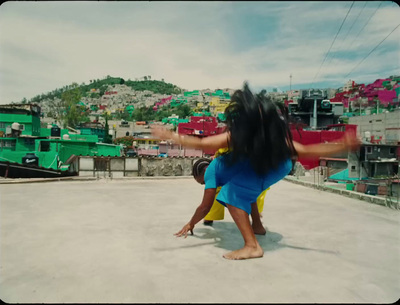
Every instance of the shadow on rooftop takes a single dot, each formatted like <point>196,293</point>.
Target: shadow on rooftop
<point>226,235</point>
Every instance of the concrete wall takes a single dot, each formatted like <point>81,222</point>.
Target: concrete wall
<point>375,152</point>
<point>355,167</point>
<point>166,166</point>
<point>116,167</point>
<point>376,124</point>
<point>121,130</point>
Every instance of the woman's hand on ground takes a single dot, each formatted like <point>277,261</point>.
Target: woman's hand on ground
<point>184,231</point>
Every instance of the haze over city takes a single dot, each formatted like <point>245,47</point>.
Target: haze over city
<point>196,45</point>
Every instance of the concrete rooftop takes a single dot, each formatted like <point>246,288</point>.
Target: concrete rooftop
<point>112,241</point>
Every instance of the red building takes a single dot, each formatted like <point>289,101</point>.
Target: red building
<point>333,132</point>
<point>203,126</point>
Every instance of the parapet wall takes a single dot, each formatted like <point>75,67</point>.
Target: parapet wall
<point>135,167</point>
<point>166,166</point>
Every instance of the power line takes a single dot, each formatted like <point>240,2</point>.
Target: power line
<point>351,27</point>
<point>355,21</point>
<point>366,24</point>
<point>332,43</point>
<point>372,50</point>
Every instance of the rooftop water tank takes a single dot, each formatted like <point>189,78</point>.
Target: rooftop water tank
<point>55,131</point>
<point>15,126</point>
<point>30,159</point>
<point>367,135</point>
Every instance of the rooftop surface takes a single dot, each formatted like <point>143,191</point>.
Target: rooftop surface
<point>112,241</point>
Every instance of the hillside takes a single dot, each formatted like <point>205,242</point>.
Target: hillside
<point>101,85</point>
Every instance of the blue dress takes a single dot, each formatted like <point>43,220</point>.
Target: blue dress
<point>241,185</point>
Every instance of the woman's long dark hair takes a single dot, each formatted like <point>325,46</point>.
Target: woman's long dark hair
<point>258,130</point>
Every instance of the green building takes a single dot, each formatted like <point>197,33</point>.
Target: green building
<point>221,94</point>
<point>191,93</point>
<point>96,129</point>
<point>28,117</point>
<point>52,146</point>
<point>177,102</point>
<point>203,113</point>
<point>174,121</point>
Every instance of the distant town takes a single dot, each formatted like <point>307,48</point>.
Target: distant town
<point>104,128</point>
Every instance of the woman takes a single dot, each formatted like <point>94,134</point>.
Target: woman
<point>217,210</point>
<point>261,154</point>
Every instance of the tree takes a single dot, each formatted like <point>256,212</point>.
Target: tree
<point>103,89</point>
<point>66,110</point>
<point>138,114</point>
<point>183,111</point>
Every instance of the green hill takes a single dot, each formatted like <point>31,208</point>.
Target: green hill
<point>155,86</point>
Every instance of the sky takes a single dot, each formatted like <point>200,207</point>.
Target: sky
<point>196,45</point>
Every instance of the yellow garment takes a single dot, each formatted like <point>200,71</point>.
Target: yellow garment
<point>217,210</point>
<point>221,151</point>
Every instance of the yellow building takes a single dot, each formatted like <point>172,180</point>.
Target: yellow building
<point>199,107</point>
<point>146,143</point>
<point>217,106</point>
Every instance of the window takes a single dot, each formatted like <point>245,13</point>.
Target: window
<point>44,146</point>
<point>29,141</point>
<point>2,125</point>
<point>353,167</point>
<point>9,144</point>
<point>369,149</point>
<point>392,150</point>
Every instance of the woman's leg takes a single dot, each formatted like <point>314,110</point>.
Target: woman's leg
<point>217,211</point>
<point>257,226</point>
<point>252,248</point>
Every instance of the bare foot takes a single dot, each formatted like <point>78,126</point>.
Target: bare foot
<point>259,229</point>
<point>245,253</point>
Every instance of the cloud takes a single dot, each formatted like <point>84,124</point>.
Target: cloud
<point>195,45</point>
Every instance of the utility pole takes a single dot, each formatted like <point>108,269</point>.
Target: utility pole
<point>315,113</point>
<point>313,119</point>
<point>290,87</point>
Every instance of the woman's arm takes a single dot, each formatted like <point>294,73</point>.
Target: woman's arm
<point>201,212</point>
<point>347,143</point>
<point>211,142</point>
